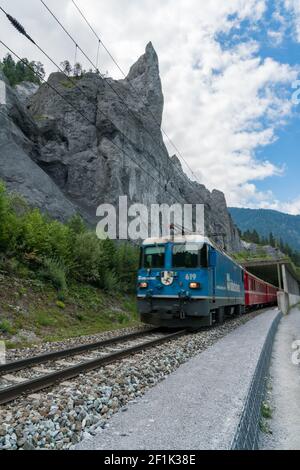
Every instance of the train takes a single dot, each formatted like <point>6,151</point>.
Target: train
<point>188,281</point>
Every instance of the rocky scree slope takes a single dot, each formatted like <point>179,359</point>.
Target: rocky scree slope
<point>63,163</point>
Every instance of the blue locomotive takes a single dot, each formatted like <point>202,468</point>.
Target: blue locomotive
<point>187,281</point>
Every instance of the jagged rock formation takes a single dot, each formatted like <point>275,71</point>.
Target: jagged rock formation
<point>19,137</point>
<point>258,251</point>
<point>69,163</point>
<point>25,90</point>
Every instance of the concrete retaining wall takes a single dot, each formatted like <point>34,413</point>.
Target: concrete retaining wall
<point>247,435</point>
<point>286,301</point>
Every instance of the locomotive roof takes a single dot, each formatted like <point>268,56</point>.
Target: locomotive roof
<point>192,238</point>
<point>178,239</point>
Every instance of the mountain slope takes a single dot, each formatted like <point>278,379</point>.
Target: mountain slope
<point>264,221</point>
<point>108,150</point>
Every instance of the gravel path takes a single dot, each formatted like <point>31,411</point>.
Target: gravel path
<point>73,410</point>
<point>283,396</point>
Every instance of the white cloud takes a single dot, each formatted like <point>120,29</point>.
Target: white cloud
<point>276,37</point>
<point>289,207</point>
<point>294,7</point>
<point>221,105</point>
<point>292,207</point>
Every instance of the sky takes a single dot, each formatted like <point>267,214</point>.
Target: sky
<point>229,71</point>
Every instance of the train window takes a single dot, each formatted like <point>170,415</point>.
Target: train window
<point>186,255</point>
<point>204,256</point>
<point>154,257</point>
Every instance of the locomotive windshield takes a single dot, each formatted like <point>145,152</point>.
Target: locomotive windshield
<point>189,255</point>
<point>154,257</point>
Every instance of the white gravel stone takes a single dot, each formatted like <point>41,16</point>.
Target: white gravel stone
<point>91,399</point>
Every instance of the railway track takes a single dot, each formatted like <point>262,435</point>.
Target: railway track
<point>16,377</point>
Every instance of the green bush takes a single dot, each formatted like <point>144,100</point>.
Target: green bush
<point>6,327</point>
<point>127,259</point>
<point>44,319</point>
<point>76,224</point>
<point>87,257</point>
<point>31,241</point>
<point>10,224</point>
<point>61,296</point>
<point>110,281</point>
<point>46,237</point>
<point>54,271</point>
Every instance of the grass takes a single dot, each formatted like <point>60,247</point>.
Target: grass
<point>264,427</point>
<point>245,256</point>
<point>40,117</point>
<point>36,306</point>
<point>69,84</point>
<point>266,416</point>
<point>6,327</point>
<point>266,411</point>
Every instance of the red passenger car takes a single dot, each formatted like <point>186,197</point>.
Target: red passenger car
<point>259,293</point>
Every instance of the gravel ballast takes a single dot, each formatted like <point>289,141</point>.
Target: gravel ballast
<point>62,416</point>
<point>200,405</point>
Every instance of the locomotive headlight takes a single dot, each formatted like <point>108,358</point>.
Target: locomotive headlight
<point>143,285</point>
<point>194,285</point>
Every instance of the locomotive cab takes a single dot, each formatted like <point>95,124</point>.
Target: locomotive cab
<point>177,281</point>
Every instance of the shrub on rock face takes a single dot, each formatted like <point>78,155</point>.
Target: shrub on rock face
<point>58,251</point>
<point>87,256</point>
<point>46,238</point>
<point>110,281</point>
<point>127,259</point>
<point>76,224</point>
<point>54,271</point>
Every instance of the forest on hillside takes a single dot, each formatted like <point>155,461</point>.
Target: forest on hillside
<point>284,227</point>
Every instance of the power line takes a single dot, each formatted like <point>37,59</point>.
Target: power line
<point>108,83</point>
<point>133,87</point>
<point>21,30</point>
<point>85,117</point>
<point>99,39</point>
<point>112,88</point>
<point>104,114</point>
<point>17,25</point>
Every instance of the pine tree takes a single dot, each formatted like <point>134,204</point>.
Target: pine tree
<point>23,70</point>
<point>272,240</point>
<point>77,69</point>
<point>255,237</point>
<point>66,66</point>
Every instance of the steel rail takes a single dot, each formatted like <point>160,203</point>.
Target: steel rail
<point>20,364</point>
<point>12,392</point>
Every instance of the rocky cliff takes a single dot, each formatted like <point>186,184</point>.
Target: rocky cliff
<point>65,162</point>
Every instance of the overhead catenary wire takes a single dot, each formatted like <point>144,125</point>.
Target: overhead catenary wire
<point>135,115</point>
<point>80,112</point>
<point>86,118</point>
<point>154,140</point>
<point>75,84</point>
<point>98,55</point>
<point>75,58</point>
<point>135,90</point>
<point>164,187</point>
